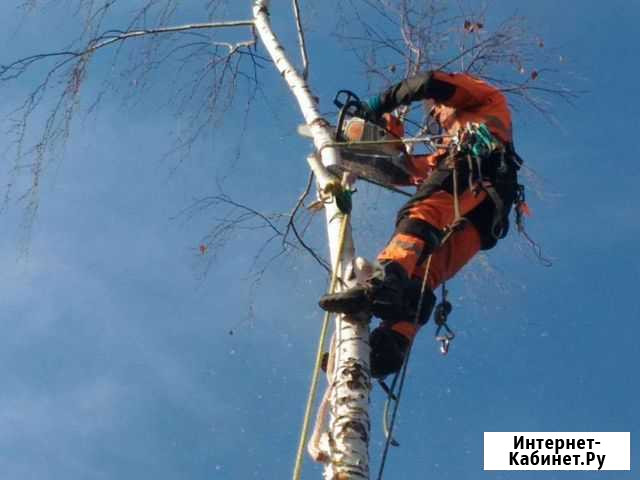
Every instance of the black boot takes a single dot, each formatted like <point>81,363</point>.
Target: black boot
<point>351,301</point>
<point>388,349</point>
<point>386,296</point>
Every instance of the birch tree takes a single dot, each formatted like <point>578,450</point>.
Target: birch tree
<point>218,54</point>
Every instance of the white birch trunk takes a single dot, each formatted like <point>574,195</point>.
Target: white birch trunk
<point>348,439</point>
<point>349,426</point>
<point>322,135</point>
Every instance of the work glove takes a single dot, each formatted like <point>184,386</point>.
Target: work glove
<point>371,110</point>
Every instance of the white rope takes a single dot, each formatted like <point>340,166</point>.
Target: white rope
<point>314,446</point>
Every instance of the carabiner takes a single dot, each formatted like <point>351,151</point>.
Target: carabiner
<point>446,339</point>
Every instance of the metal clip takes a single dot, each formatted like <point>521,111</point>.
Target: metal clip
<point>442,311</point>
<point>445,340</point>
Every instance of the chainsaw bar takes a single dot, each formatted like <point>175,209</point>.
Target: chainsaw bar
<point>371,165</point>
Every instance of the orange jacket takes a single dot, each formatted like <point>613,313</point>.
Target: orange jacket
<point>459,99</point>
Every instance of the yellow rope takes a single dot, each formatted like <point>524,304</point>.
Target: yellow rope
<point>297,469</point>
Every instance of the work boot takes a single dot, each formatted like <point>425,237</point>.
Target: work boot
<point>388,349</point>
<point>387,296</point>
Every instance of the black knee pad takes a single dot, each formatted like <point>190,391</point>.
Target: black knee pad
<point>430,235</point>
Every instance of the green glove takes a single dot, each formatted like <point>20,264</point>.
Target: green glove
<point>371,109</point>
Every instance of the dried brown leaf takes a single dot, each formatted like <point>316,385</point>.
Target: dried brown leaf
<point>471,27</point>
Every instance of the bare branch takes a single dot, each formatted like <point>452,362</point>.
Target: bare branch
<point>301,40</point>
<point>14,69</point>
<point>232,216</point>
<point>108,38</point>
<point>222,61</point>
<point>291,226</point>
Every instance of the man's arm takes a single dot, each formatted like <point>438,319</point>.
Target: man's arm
<point>457,90</point>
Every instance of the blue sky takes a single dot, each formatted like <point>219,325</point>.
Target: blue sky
<point>116,359</point>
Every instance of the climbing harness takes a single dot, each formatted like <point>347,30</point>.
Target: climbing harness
<point>477,140</point>
<point>476,143</point>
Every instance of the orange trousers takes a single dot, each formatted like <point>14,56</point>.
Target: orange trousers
<point>408,250</point>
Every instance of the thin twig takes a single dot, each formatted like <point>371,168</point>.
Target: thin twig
<point>301,41</point>
<point>291,226</point>
<point>299,203</point>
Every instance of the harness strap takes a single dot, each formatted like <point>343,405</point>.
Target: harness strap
<point>497,224</point>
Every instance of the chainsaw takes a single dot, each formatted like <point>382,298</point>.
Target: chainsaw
<point>373,151</point>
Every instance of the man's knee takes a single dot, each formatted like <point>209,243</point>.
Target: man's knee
<point>425,231</point>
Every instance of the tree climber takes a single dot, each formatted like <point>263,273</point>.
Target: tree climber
<point>486,189</point>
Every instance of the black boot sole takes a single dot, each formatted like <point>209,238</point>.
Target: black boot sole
<point>351,301</point>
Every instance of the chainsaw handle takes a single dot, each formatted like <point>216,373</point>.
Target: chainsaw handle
<point>350,101</point>
<point>344,110</point>
<point>350,98</point>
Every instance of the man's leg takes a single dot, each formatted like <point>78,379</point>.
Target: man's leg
<point>410,247</point>
<point>395,298</point>
<point>446,261</point>
<point>419,232</point>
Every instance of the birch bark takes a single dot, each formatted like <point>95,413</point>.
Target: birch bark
<point>348,437</point>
